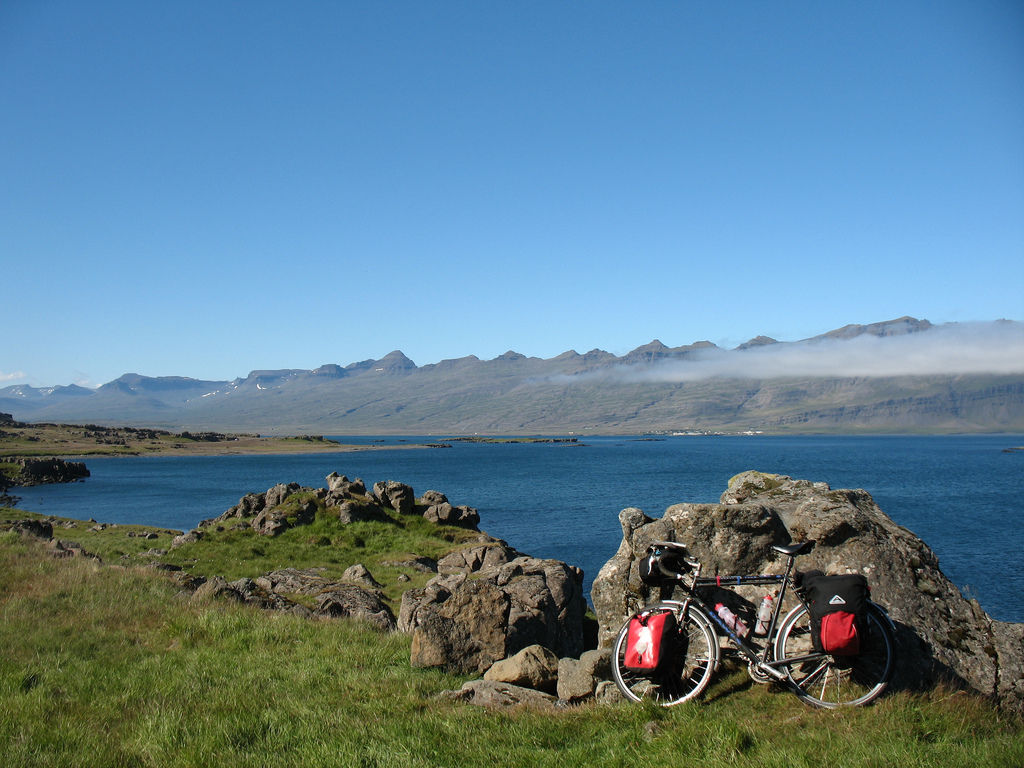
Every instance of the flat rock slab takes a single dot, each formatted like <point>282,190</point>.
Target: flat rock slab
<point>494,694</point>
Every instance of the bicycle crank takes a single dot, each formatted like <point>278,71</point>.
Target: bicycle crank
<point>764,673</point>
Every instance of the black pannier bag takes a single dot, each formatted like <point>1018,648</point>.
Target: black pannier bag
<point>838,606</point>
<point>650,641</point>
<point>660,561</point>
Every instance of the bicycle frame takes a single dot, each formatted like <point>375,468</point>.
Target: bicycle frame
<point>764,659</point>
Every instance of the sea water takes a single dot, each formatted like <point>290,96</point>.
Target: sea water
<point>961,494</point>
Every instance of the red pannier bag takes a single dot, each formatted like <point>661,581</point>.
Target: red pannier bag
<point>838,607</point>
<point>649,641</point>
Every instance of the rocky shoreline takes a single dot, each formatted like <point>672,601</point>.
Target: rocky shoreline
<point>44,471</point>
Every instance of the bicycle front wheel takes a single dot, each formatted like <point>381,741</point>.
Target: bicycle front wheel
<point>693,661</point>
<point>829,681</point>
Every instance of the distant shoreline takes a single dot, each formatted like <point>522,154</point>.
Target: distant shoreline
<point>19,440</point>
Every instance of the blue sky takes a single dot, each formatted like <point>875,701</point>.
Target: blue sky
<point>205,188</point>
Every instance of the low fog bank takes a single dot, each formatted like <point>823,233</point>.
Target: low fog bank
<point>952,349</point>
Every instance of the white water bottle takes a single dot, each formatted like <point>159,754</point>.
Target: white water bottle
<point>732,621</point>
<point>764,615</point>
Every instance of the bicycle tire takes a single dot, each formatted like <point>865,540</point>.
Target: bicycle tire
<point>829,682</point>
<point>689,671</point>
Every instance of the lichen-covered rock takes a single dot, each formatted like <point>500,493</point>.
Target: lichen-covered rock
<point>940,634</point>
<point>351,601</point>
<point>296,581</point>
<point>494,694</point>
<point>247,506</point>
<point>279,493</point>
<point>340,488</point>
<point>488,555</point>
<point>578,678</point>
<point>445,514</point>
<point>360,574</point>
<point>191,537</point>
<point>361,511</point>
<point>467,624</point>
<point>274,520</point>
<point>398,496</point>
<point>430,498</point>
<point>533,667</point>
<point>215,587</point>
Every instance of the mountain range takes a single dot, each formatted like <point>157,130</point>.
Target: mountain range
<point>904,375</point>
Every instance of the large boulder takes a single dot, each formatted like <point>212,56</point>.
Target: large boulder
<point>533,667</point>
<point>490,554</point>
<point>940,634</point>
<point>274,520</point>
<point>360,575</point>
<point>360,511</point>
<point>466,624</point>
<point>340,488</point>
<point>445,514</point>
<point>398,496</point>
<point>279,493</point>
<point>578,678</point>
<point>351,601</point>
<point>247,506</point>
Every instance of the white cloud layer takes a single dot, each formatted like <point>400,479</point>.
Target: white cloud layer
<point>970,348</point>
<point>12,376</point>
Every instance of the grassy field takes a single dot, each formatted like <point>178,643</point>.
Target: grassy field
<point>34,440</point>
<point>111,665</point>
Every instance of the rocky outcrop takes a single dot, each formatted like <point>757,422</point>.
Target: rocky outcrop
<point>273,521</point>
<point>535,676</point>
<point>33,528</point>
<point>43,530</point>
<point>340,488</point>
<point>466,621</point>
<point>277,509</point>
<point>445,514</point>
<point>490,554</point>
<point>361,511</point>
<point>276,590</point>
<point>45,471</point>
<point>350,601</point>
<point>487,602</point>
<point>398,496</point>
<point>940,634</point>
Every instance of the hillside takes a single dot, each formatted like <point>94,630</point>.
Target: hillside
<point>904,375</point>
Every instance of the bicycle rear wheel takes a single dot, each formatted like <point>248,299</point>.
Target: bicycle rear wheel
<point>693,662</point>
<point>829,681</point>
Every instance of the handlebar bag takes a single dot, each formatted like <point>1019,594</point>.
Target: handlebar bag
<point>838,606</point>
<point>649,641</point>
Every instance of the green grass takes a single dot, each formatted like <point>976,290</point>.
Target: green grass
<point>111,666</point>
<point>233,554</point>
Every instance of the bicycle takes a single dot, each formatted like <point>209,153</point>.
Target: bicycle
<point>788,655</point>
